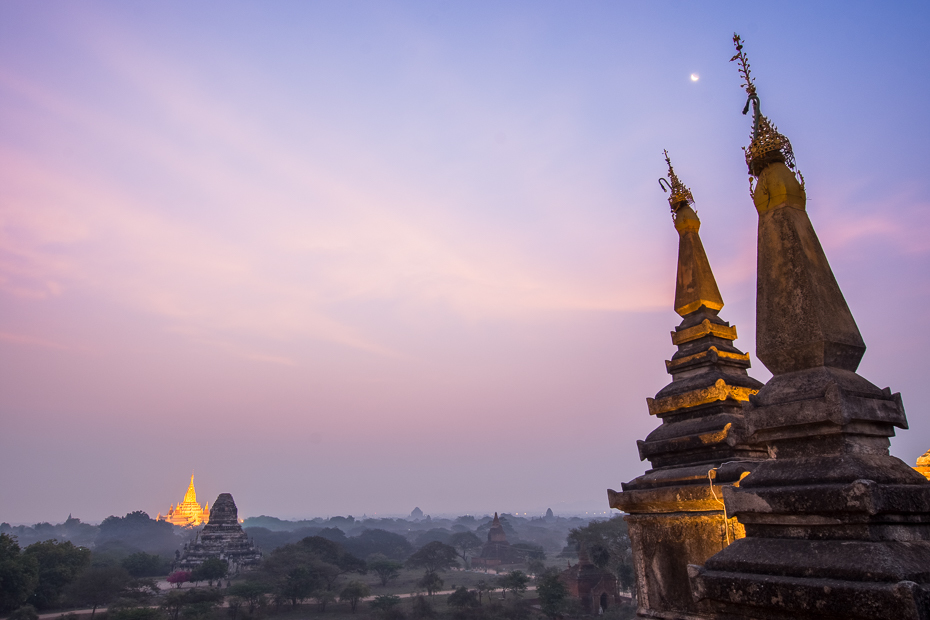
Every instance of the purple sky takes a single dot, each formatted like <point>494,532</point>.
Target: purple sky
<point>352,257</point>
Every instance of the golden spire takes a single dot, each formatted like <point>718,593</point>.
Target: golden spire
<point>191,495</point>
<point>695,285</point>
<point>678,192</point>
<point>766,145</point>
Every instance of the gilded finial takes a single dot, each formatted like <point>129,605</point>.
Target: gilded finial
<point>766,145</point>
<point>678,192</point>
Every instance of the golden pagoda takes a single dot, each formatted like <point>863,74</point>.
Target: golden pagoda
<point>923,464</point>
<point>188,512</point>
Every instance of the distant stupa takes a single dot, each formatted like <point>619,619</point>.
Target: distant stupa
<point>417,513</point>
<point>497,550</point>
<point>188,512</point>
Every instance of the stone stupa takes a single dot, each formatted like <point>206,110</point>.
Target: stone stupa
<point>221,538</point>
<point>497,550</point>
<point>675,511</point>
<point>836,527</point>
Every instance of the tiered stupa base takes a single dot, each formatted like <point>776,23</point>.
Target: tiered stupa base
<point>836,528</point>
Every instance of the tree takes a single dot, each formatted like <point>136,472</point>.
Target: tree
<point>422,609</point>
<point>463,598</point>
<point>353,592</point>
<point>140,531</point>
<point>434,556</point>
<point>142,564</point>
<point>387,570</point>
<point>25,612</point>
<point>323,598</point>
<point>98,585</point>
<point>481,587</point>
<point>193,603</point>
<point>465,542</point>
<point>201,603</point>
<point>385,602</point>
<point>332,554</point>
<point>608,546</point>
<point>134,613</point>
<point>212,569</point>
<point>529,551</point>
<point>515,582</point>
<point>19,574</point>
<point>139,591</point>
<point>252,592</point>
<point>431,582</point>
<point>178,577</point>
<point>552,593</point>
<point>299,584</point>
<point>172,603</point>
<point>391,545</point>
<point>536,567</point>
<point>58,564</point>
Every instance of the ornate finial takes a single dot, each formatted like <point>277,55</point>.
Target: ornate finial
<point>750,85</point>
<point>679,193</point>
<point>767,144</point>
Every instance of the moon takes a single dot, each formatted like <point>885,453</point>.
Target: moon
<point>695,77</point>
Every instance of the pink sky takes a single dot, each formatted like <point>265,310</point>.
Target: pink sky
<point>360,257</point>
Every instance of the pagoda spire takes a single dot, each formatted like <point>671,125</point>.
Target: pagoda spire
<point>816,328</point>
<point>675,515</point>
<point>191,496</point>
<point>695,285</point>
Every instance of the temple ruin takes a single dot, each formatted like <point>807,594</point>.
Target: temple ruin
<point>595,588</point>
<point>221,538</point>
<point>496,551</point>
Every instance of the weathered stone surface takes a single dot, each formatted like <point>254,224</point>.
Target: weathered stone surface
<point>661,544</point>
<point>769,597</point>
<point>802,319</point>
<point>221,538</point>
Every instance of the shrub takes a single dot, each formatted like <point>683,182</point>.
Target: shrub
<point>26,612</point>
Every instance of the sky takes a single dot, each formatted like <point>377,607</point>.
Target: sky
<point>356,257</point>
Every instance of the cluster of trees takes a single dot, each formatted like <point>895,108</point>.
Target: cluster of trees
<point>534,534</point>
<point>312,568</point>
<point>49,574</point>
<point>39,574</point>
<point>119,535</point>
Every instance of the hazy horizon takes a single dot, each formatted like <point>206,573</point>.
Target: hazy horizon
<point>341,256</point>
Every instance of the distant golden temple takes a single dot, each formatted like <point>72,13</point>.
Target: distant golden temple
<point>923,464</point>
<point>188,512</point>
